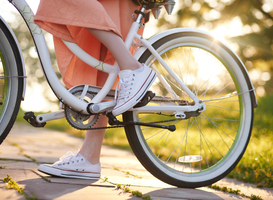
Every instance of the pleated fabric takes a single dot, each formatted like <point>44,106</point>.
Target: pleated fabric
<point>68,19</point>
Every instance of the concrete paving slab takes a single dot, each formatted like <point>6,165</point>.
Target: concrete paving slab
<point>71,181</point>
<point>247,188</point>
<point>123,162</point>
<point>45,147</point>
<point>87,182</point>
<point>48,190</point>
<point>138,182</point>
<point>106,172</point>
<point>72,192</point>
<point>182,193</point>
<point>120,167</point>
<point>9,194</point>
<point>13,164</point>
<point>144,174</point>
<point>8,151</point>
<point>18,174</point>
<point>59,188</point>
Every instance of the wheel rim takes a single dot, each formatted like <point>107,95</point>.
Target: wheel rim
<point>10,89</point>
<point>5,88</point>
<point>155,142</point>
<point>3,83</point>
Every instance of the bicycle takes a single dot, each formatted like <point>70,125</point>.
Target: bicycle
<point>192,133</point>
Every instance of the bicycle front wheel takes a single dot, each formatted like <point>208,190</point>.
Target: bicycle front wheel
<point>11,81</point>
<point>207,145</point>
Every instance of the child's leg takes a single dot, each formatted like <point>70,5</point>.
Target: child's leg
<point>117,47</point>
<point>86,163</point>
<point>91,147</point>
<point>134,82</point>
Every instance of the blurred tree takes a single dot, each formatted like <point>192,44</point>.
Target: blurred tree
<point>29,52</point>
<point>246,24</point>
<point>32,64</point>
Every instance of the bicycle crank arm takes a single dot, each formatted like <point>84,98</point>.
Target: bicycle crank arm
<point>94,108</point>
<point>40,120</point>
<point>113,121</point>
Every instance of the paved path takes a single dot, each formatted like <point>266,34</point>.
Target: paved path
<point>27,147</point>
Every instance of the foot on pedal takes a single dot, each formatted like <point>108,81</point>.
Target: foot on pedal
<point>145,100</point>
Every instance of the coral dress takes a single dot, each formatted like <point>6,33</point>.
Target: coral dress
<point>66,19</point>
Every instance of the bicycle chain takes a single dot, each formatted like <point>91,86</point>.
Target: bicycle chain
<point>159,100</point>
<point>120,126</point>
<point>156,122</point>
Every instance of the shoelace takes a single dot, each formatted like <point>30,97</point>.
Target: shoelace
<point>66,157</point>
<point>124,86</point>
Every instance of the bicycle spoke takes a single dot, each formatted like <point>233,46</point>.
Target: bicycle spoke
<point>178,64</point>
<point>227,96</point>
<point>154,135</point>
<point>159,140</point>
<point>177,145</point>
<point>211,87</point>
<point>216,129</point>
<point>163,145</point>
<point>215,123</point>
<point>221,119</point>
<point>202,145</point>
<point>222,107</point>
<point>208,142</point>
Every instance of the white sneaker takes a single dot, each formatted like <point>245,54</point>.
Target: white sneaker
<point>72,166</point>
<point>133,85</point>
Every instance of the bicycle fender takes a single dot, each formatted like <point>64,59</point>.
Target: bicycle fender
<point>169,32</point>
<point>21,55</point>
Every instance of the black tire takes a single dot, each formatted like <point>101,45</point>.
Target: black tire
<point>209,144</point>
<point>11,87</point>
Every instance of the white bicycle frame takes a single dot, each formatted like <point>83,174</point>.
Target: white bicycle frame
<point>66,97</point>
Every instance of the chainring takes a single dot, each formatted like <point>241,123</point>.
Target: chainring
<point>78,120</point>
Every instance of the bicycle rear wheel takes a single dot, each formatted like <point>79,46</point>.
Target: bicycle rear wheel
<point>11,87</point>
<point>208,145</point>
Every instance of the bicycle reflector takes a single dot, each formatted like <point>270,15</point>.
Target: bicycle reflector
<point>190,159</point>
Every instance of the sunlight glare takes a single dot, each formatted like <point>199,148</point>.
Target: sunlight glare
<point>229,29</point>
<point>208,65</point>
<point>35,100</point>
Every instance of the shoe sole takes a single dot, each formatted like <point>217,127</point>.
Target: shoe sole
<point>138,96</point>
<point>68,174</point>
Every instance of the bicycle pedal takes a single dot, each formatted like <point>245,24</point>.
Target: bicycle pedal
<point>31,119</point>
<point>146,99</point>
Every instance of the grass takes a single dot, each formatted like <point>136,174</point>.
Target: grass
<point>236,192</point>
<point>135,193</point>
<point>256,166</point>
<point>11,184</point>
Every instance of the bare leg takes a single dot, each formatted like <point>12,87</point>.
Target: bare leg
<point>91,148</point>
<point>117,47</point>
